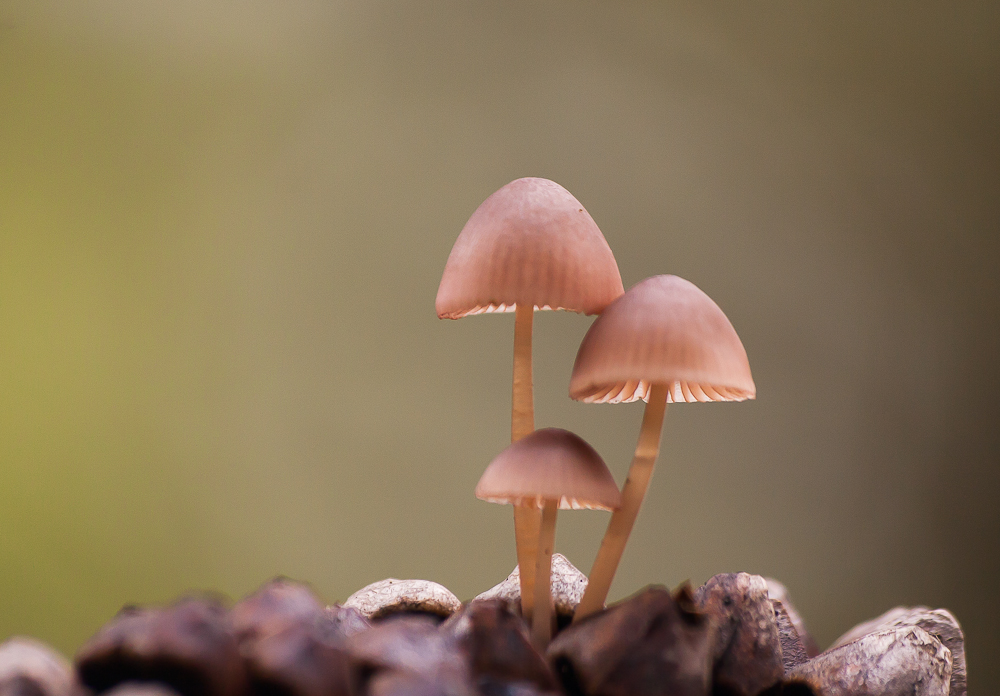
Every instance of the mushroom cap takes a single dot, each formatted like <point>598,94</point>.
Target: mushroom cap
<point>550,465</point>
<point>664,330</point>
<point>533,243</point>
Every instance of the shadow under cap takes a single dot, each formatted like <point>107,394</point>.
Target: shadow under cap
<point>531,242</point>
<point>550,464</point>
<point>664,330</point>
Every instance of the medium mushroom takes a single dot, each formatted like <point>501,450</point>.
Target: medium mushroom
<point>662,341</point>
<point>531,245</point>
<point>550,469</point>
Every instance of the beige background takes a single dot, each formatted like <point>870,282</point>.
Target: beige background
<point>222,225</point>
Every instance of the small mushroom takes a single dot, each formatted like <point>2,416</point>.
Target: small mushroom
<point>531,245</point>
<point>567,586</point>
<point>549,469</point>
<point>392,596</point>
<point>662,341</point>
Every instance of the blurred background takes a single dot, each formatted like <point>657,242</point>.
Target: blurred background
<point>222,227</point>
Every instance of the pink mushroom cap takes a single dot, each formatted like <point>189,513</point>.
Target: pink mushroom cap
<point>531,242</point>
<point>664,330</point>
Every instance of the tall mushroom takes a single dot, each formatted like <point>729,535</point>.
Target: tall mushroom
<point>662,341</point>
<point>531,245</point>
<point>548,470</point>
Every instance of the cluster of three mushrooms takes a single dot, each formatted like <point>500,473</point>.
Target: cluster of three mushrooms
<point>531,245</point>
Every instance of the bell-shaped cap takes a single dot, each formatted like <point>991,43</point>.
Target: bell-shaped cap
<point>664,330</point>
<point>533,243</point>
<point>550,465</point>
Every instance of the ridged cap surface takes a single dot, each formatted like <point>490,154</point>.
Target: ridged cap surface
<point>664,330</point>
<point>550,464</point>
<point>531,242</point>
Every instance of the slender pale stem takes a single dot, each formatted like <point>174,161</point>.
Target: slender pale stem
<point>522,416</point>
<point>541,627</point>
<point>622,519</point>
<point>527,520</point>
<point>526,524</point>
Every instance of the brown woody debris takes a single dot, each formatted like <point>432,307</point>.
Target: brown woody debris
<point>903,661</point>
<point>940,623</point>
<point>779,593</point>
<point>746,648</point>
<point>567,587</point>
<point>297,661</point>
<point>793,653</point>
<point>186,646</point>
<point>790,687</point>
<point>409,684</point>
<point>275,606</point>
<point>30,667</point>
<point>291,644</point>
<point>142,689</point>
<point>338,622</point>
<point>392,596</point>
<point>406,649</point>
<point>647,645</point>
<point>497,648</point>
<point>733,637</point>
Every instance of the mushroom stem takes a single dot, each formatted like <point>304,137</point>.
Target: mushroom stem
<point>541,626</point>
<point>622,519</point>
<point>527,520</point>
<point>522,414</point>
<point>526,524</point>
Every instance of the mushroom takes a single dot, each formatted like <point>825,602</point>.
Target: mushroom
<point>662,341</point>
<point>548,470</point>
<point>531,245</point>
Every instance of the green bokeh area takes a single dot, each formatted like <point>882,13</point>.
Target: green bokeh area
<point>222,226</point>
